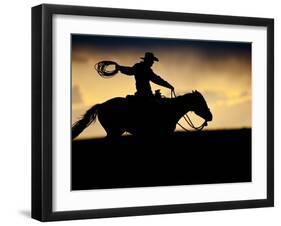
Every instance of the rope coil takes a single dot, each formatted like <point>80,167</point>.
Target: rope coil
<point>102,68</point>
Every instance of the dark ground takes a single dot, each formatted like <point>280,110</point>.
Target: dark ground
<point>185,158</point>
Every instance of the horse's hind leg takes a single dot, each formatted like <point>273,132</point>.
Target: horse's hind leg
<point>112,123</point>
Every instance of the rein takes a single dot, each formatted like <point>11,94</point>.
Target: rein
<point>187,118</point>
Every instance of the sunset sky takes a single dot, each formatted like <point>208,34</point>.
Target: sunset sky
<point>221,71</point>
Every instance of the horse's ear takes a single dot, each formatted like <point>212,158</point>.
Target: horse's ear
<point>192,91</point>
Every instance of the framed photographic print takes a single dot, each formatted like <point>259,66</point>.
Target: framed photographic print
<point>146,112</point>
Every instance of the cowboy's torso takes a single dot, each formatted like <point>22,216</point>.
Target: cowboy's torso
<point>143,75</point>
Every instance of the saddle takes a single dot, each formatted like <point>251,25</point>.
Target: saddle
<point>146,102</point>
<point>157,96</point>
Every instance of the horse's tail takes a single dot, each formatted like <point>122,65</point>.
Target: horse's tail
<point>85,121</point>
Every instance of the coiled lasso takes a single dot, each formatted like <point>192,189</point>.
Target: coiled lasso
<point>102,68</point>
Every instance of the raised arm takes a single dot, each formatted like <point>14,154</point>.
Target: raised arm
<point>126,70</point>
<point>159,81</point>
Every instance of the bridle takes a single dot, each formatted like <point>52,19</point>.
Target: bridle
<point>187,119</point>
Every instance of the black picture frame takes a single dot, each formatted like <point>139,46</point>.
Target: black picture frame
<point>42,106</point>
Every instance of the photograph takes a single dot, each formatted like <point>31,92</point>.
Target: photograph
<point>159,112</point>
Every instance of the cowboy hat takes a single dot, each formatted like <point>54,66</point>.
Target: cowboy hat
<point>149,56</point>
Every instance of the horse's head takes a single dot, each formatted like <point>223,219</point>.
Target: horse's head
<point>200,107</point>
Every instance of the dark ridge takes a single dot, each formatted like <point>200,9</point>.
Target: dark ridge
<point>205,157</point>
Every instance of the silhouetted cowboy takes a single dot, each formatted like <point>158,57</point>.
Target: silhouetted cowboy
<point>144,74</point>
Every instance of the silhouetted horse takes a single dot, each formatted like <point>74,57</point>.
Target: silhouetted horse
<point>143,117</point>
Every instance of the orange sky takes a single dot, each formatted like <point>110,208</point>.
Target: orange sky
<point>220,71</point>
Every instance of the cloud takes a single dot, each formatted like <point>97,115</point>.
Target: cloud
<point>76,95</point>
<point>245,94</point>
<point>208,94</point>
<point>238,115</point>
<point>213,96</point>
<point>79,56</point>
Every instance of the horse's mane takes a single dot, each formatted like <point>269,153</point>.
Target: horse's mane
<point>195,95</point>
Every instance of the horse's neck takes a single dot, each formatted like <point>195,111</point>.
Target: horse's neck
<point>182,105</point>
